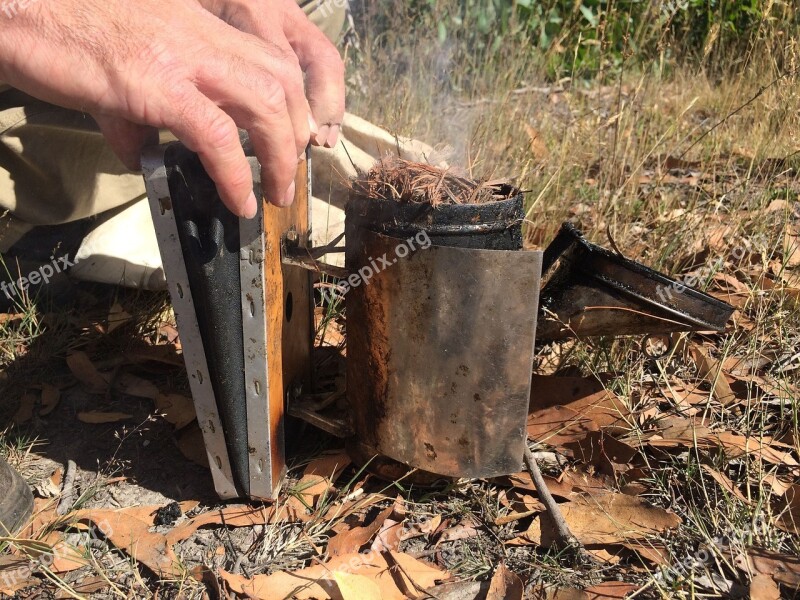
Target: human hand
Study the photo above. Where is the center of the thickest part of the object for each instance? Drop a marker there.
(199, 69)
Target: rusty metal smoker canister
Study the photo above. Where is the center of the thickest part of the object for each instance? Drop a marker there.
(440, 339)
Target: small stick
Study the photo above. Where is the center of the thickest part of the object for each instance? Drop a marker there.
(565, 537)
(68, 489)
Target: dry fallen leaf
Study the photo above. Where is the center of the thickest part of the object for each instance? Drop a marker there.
(50, 398)
(558, 425)
(603, 451)
(318, 478)
(96, 417)
(725, 483)
(763, 587)
(356, 587)
(351, 541)
(389, 536)
(128, 531)
(319, 583)
(607, 519)
(782, 568)
(585, 396)
(25, 411)
(135, 386)
(190, 443)
(710, 369)
(609, 590)
(84, 371)
(505, 585)
(117, 316)
(176, 408)
(789, 520)
(16, 573)
(736, 445)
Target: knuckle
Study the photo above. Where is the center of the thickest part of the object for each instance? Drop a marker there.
(272, 95)
(221, 132)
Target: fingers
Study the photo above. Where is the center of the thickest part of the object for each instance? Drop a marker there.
(258, 101)
(323, 67)
(207, 130)
(126, 139)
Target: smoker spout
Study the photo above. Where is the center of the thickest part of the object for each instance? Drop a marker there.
(590, 291)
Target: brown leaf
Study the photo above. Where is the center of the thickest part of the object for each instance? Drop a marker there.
(16, 573)
(558, 488)
(603, 451)
(558, 425)
(736, 445)
(763, 587)
(584, 395)
(129, 532)
(191, 444)
(610, 589)
(505, 585)
(777, 486)
(782, 568)
(135, 386)
(650, 551)
(96, 417)
(608, 519)
(25, 411)
(682, 431)
(318, 582)
(564, 593)
(725, 483)
(117, 316)
(176, 408)
(789, 519)
(84, 371)
(710, 369)
(50, 397)
(351, 541)
(791, 250)
(356, 587)
(319, 476)
(389, 536)
(538, 147)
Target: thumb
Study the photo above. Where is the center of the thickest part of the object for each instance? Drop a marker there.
(126, 139)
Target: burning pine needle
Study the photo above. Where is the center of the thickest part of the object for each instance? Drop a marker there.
(396, 179)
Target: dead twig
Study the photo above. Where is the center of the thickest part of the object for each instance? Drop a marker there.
(564, 537)
(68, 489)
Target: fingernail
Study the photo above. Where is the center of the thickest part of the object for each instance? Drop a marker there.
(289, 197)
(312, 125)
(250, 207)
(322, 136)
(333, 136)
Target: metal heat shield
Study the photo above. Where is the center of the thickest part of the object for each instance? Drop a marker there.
(440, 350)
